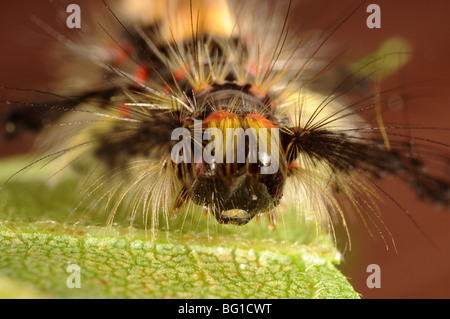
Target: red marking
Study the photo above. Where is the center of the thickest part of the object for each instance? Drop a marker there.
(124, 110)
(141, 75)
(167, 89)
(179, 75)
(119, 55)
(219, 116)
(261, 119)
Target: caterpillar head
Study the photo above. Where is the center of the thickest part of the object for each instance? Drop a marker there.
(241, 171)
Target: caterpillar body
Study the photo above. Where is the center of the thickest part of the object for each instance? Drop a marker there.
(197, 103)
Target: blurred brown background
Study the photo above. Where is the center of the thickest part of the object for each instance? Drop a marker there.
(417, 270)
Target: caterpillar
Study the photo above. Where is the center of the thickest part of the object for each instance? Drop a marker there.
(151, 96)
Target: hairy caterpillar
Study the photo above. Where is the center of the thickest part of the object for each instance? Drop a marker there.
(150, 74)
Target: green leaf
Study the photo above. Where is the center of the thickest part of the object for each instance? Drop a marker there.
(392, 54)
(195, 258)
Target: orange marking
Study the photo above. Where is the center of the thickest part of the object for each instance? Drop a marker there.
(202, 87)
(259, 92)
(219, 116)
(261, 119)
(293, 165)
